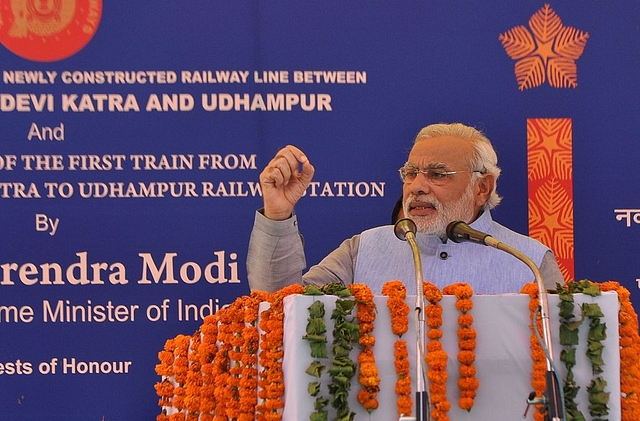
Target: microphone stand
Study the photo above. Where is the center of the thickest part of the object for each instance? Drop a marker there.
(459, 231)
(551, 396)
(405, 230)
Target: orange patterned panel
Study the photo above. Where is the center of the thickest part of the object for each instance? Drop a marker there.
(550, 169)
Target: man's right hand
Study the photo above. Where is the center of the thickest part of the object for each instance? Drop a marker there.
(283, 182)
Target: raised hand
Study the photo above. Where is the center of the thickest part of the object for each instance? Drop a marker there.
(283, 182)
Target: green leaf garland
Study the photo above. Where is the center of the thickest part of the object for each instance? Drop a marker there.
(317, 338)
(342, 368)
(569, 340)
(598, 397)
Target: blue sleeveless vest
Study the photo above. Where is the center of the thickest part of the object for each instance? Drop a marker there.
(382, 257)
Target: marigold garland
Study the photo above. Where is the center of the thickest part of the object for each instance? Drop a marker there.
(236, 342)
(165, 388)
(221, 365)
(180, 370)
(398, 308)
(436, 357)
(207, 351)
(368, 373)
(194, 380)
(467, 383)
(396, 294)
(270, 378)
(538, 357)
(629, 352)
(249, 359)
(234, 364)
(225, 349)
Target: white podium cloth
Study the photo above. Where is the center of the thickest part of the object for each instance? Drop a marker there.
(503, 357)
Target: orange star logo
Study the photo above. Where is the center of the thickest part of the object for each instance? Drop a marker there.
(547, 50)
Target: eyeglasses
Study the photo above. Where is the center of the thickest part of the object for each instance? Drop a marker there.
(435, 176)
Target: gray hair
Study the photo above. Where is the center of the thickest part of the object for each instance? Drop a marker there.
(484, 159)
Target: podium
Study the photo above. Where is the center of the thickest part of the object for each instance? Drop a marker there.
(503, 359)
(503, 356)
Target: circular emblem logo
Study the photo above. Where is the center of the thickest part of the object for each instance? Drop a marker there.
(48, 30)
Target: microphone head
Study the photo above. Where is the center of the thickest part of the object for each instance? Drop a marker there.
(459, 231)
(455, 231)
(403, 227)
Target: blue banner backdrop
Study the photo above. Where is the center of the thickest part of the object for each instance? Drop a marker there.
(129, 164)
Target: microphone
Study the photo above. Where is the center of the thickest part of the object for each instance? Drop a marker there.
(405, 229)
(458, 232)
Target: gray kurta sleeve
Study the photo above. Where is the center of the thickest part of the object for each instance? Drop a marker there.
(276, 257)
(550, 271)
(338, 266)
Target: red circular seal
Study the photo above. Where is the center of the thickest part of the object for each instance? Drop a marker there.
(48, 30)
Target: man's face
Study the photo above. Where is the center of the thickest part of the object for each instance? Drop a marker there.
(433, 205)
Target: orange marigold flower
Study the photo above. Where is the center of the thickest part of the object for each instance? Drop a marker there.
(394, 288)
(433, 311)
(405, 405)
(367, 340)
(465, 320)
(466, 345)
(402, 365)
(626, 342)
(468, 393)
(467, 370)
(437, 360)
(432, 293)
(464, 305)
(465, 333)
(466, 403)
(466, 357)
(434, 334)
(433, 347)
(437, 389)
(403, 386)
(468, 383)
(434, 322)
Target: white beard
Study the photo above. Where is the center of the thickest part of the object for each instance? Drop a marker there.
(460, 210)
